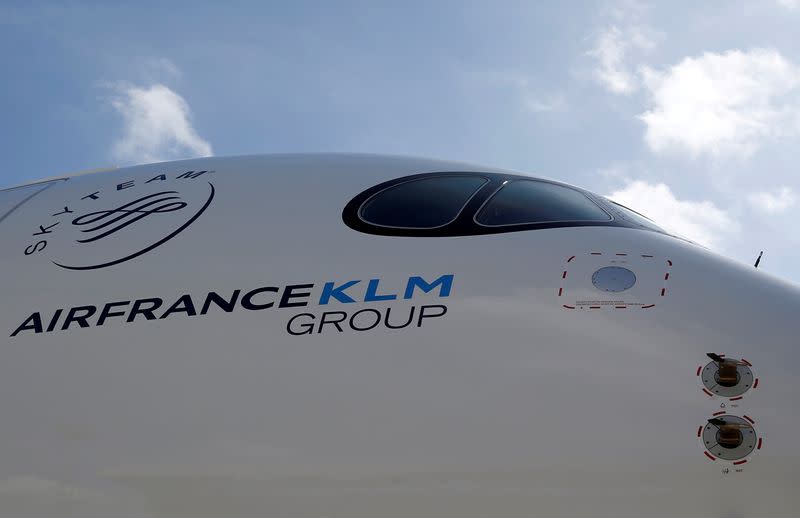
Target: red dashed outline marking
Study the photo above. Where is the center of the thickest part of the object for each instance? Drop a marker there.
(735, 463)
(564, 274)
(737, 398)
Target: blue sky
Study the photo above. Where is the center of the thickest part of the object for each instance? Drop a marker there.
(689, 113)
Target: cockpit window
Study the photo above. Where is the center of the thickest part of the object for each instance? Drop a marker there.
(532, 201)
(473, 203)
(422, 203)
(631, 216)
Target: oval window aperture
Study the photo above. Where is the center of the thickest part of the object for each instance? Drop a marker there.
(424, 203)
(613, 279)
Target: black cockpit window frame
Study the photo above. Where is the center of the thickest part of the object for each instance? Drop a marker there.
(465, 224)
(374, 197)
(636, 218)
(509, 183)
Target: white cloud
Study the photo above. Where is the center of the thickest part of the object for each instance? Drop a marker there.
(699, 221)
(722, 103)
(789, 4)
(157, 126)
(612, 50)
(620, 44)
(779, 201)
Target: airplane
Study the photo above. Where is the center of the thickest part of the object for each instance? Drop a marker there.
(346, 335)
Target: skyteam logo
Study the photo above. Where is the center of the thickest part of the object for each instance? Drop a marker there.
(104, 223)
(122, 221)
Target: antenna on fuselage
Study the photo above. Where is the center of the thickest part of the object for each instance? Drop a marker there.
(758, 260)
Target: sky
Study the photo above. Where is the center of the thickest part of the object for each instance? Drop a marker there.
(686, 111)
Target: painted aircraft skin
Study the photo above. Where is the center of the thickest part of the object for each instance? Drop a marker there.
(212, 357)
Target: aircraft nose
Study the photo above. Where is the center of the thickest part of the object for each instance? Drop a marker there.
(734, 308)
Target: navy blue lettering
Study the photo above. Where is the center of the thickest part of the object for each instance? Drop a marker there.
(65, 211)
(33, 323)
(74, 316)
(226, 305)
(371, 326)
(137, 309)
(289, 294)
(192, 174)
(392, 326)
(324, 320)
(307, 327)
(423, 314)
(36, 247)
(161, 177)
(108, 312)
(182, 305)
(247, 300)
(46, 230)
(54, 320)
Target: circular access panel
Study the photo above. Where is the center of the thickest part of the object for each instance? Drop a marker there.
(613, 279)
(726, 386)
(729, 437)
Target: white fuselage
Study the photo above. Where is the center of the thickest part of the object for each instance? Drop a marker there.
(215, 358)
